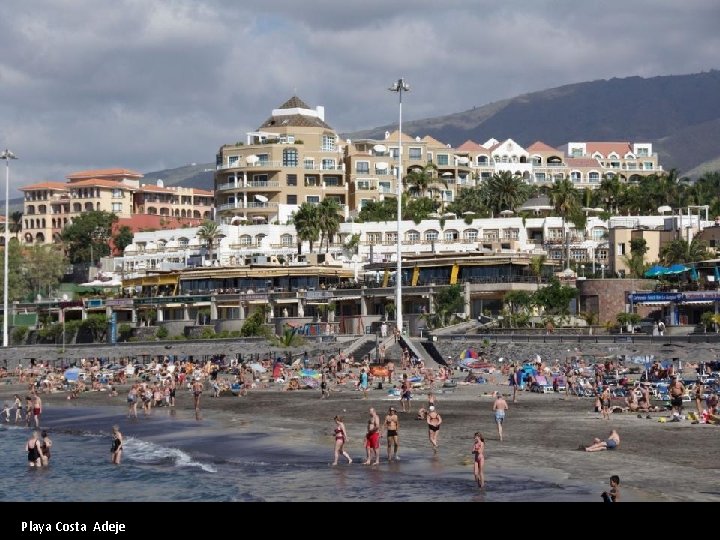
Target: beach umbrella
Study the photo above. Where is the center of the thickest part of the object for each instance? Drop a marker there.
(677, 269)
(72, 374)
(694, 274)
(655, 271)
(257, 367)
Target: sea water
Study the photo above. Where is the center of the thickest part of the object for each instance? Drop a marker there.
(170, 458)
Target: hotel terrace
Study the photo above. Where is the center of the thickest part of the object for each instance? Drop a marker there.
(296, 157)
(50, 206)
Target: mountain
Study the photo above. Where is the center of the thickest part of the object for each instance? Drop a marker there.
(197, 175)
(680, 114)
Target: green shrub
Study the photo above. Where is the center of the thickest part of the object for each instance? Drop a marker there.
(207, 333)
(19, 334)
(162, 333)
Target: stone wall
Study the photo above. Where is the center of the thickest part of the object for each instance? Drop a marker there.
(607, 297)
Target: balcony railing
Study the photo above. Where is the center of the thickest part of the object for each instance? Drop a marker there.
(241, 205)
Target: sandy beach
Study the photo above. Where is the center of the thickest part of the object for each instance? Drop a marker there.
(655, 461)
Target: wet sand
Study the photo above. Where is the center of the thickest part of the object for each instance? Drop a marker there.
(655, 461)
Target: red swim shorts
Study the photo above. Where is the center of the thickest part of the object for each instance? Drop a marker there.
(372, 440)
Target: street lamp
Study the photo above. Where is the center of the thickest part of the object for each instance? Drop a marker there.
(602, 271)
(7, 155)
(400, 86)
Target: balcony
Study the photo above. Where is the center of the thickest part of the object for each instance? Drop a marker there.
(252, 205)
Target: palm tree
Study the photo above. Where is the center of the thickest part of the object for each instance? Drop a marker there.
(209, 233)
(536, 265)
(679, 251)
(16, 222)
(564, 198)
(328, 220)
(418, 181)
(307, 224)
(504, 191)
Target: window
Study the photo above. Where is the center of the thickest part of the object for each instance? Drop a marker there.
(510, 234)
(328, 164)
(290, 157)
(384, 187)
(648, 165)
(447, 195)
(245, 240)
(429, 157)
(286, 240)
(362, 167)
(292, 199)
(365, 202)
(442, 159)
(328, 143)
(362, 184)
(451, 235)
(259, 180)
(594, 177)
(576, 176)
(470, 235)
(391, 238)
(621, 248)
(490, 235)
(291, 179)
(313, 199)
(332, 181)
(598, 233)
(576, 152)
(412, 236)
(415, 153)
(309, 163)
(117, 193)
(232, 161)
(374, 238)
(482, 160)
(431, 235)
(394, 152)
(643, 151)
(117, 207)
(602, 255)
(556, 254)
(311, 181)
(262, 158)
(540, 177)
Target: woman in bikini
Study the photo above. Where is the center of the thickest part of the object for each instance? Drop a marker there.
(699, 396)
(433, 421)
(340, 439)
(117, 446)
(479, 453)
(197, 389)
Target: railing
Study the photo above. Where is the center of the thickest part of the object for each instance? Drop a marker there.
(252, 184)
(240, 205)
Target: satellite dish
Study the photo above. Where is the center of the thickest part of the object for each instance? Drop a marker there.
(252, 159)
(65, 297)
(381, 166)
(664, 208)
(380, 148)
(261, 198)
(447, 174)
(462, 159)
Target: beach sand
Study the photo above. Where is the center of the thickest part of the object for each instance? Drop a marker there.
(542, 432)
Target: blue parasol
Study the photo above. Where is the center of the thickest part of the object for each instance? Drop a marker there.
(72, 374)
(677, 269)
(655, 271)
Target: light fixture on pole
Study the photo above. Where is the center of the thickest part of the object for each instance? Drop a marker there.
(400, 86)
(7, 155)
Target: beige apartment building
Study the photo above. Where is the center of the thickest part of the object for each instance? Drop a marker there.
(49, 206)
(292, 158)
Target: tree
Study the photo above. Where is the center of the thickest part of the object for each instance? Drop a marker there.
(385, 210)
(209, 233)
(448, 301)
(329, 220)
(555, 298)
(504, 191)
(564, 198)
(629, 320)
(536, 266)
(43, 267)
(636, 261)
(16, 222)
(123, 238)
(609, 191)
(17, 284)
(418, 209)
(468, 200)
(307, 224)
(678, 251)
(86, 237)
(420, 181)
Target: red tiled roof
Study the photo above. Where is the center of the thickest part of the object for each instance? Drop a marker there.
(198, 191)
(149, 188)
(539, 146)
(432, 141)
(606, 148)
(98, 182)
(471, 146)
(55, 186)
(101, 173)
(393, 137)
(581, 162)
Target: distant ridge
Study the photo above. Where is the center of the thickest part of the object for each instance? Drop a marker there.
(197, 175)
(679, 113)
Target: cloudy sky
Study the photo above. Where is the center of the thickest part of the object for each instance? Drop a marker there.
(149, 84)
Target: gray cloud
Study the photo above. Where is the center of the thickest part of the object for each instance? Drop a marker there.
(146, 84)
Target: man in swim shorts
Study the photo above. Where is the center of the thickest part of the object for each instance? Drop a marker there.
(392, 424)
(372, 439)
(499, 408)
(611, 443)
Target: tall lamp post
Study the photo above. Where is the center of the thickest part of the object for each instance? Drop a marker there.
(400, 86)
(7, 155)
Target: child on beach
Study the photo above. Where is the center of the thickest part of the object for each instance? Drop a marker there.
(479, 453)
(614, 494)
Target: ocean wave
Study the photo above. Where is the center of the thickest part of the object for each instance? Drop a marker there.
(153, 454)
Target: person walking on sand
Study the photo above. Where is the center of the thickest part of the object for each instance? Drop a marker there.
(117, 445)
(364, 382)
(392, 425)
(324, 392)
(341, 438)
(433, 422)
(46, 444)
(34, 450)
(132, 401)
(372, 439)
(390, 366)
(605, 403)
(479, 462)
(197, 390)
(676, 390)
(405, 393)
(499, 408)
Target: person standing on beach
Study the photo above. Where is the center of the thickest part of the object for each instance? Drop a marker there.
(512, 381)
(34, 450)
(433, 422)
(364, 382)
(372, 439)
(605, 403)
(117, 446)
(676, 390)
(499, 408)
(18, 409)
(197, 390)
(405, 393)
(390, 366)
(479, 462)
(324, 392)
(392, 424)
(46, 444)
(341, 438)
(132, 399)
(28, 410)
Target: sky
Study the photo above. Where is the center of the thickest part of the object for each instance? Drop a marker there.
(150, 84)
